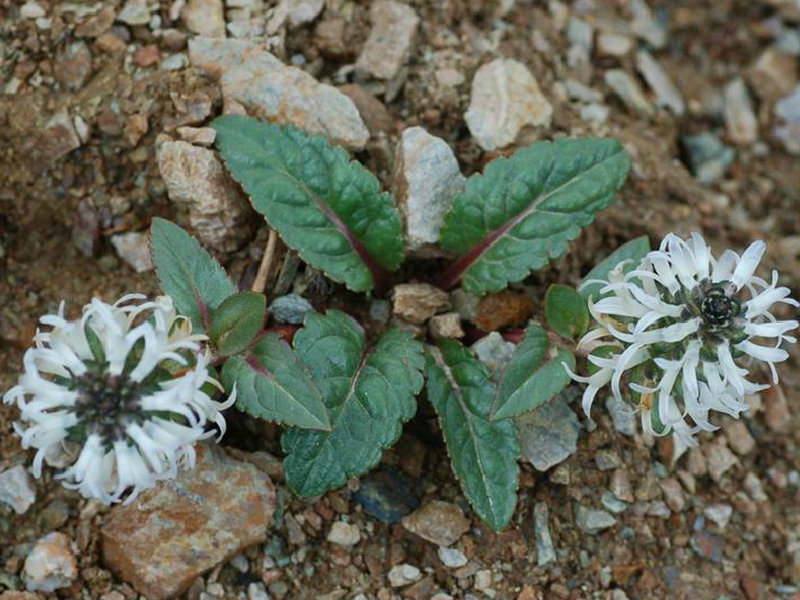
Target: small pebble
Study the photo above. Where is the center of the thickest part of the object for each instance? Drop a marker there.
(452, 558)
(17, 489)
(404, 574)
(344, 534)
(719, 514)
(51, 564)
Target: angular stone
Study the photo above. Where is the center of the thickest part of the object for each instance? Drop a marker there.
(739, 438)
(290, 308)
(505, 98)
(740, 120)
(403, 575)
(73, 65)
(17, 489)
(98, 23)
(31, 10)
(621, 485)
(303, 11)
(709, 158)
(133, 248)
(204, 17)
(667, 95)
(622, 416)
(720, 459)
(773, 75)
(426, 179)
(51, 564)
(503, 309)
(549, 434)
(372, 110)
(645, 25)
(787, 128)
(176, 531)
(776, 410)
(216, 56)
(628, 91)
(200, 136)
(494, 352)
(545, 551)
(330, 38)
(218, 211)
(135, 12)
(394, 27)
(673, 493)
(418, 302)
(719, 514)
(438, 522)
(446, 325)
(344, 534)
(591, 520)
(452, 558)
(58, 138)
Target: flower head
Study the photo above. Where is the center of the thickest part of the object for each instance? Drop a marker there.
(681, 329)
(118, 396)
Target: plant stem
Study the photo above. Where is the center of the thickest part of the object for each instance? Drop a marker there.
(260, 282)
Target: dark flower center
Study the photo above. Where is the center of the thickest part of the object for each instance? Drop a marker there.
(717, 309)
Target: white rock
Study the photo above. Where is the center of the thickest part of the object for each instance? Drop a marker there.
(394, 27)
(204, 17)
(667, 94)
(787, 112)
(135, 12)
(17, 489)
(218, 211)
(645, 25)
(613, 44)
(627, 89)
(31, 10)
(302, 11)
(51, 564)
(403, 575)
(740, 120)
(505, 98)
(452, 558)
(344, 534)
(719, 513)
(132, 247)
(426, 179)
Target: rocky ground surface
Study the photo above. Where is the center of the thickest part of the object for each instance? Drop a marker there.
(102, 114)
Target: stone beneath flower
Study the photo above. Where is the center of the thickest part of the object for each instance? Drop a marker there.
(119, 396)
(681, 329)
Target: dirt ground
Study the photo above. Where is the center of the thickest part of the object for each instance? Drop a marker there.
(58, 211)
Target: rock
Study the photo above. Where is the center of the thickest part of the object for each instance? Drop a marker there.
(51, 564)
(740, 120)
(708, 545)
(181, 528)
(133, 248)
(658, 508)
(628, 91)
(696, 462)
(613, 44)
(645, 26)
(667, 95)
(709, 158)
(622, 416)
(17, 489)
(58, 138)
(581, 92)
(204, 17)
(776, 410)
(483, 580)
(290, 308)
(612, 503)
(418, 302)
(580, 33)
(135, 12)
(216, 56)
(98, 23)
(720, 459)
(549, 434)
(719, 514)
(773, 75)
(344, 534)
(425, 181)
(110, 43)
(386, 495)
(372, 110)
(73, 65)
(135, 127)
(199, 136)
(438, 522)
(505, 98)
(218, 211)
(403, 575)
(754, 487)
(621, 485)
(494, 352)
(592, 520)
(787, 128)
(606, 459)
(465, 304)
(594, 113)
(739, 438)
(673, 493)
(147, 56)
(452, 558)
(545, 551)
(175, 62)
(329, 38)
(446, 325)
(31, 10)
(257, 591)
(300, 12)
(270, 90)
(503, 309)
(394, 27)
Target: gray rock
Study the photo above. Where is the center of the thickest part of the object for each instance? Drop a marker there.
(31, 10)
(740, 120)
(175, 62)
(380, 310)
(594, 113)
(394, 27)
(739, 438)
(788, 41)
(403, 575)
(465, 304)
(549, 434)
(646, 27)
(612, 503)
(426, 179)
(494, 352)
(719, 514)
(218, 210)
(592, 520)
(709, 158)
(51, 564)
(667, 95)
(133, 248)
(452, 558)
(659, 508)
(73, 65)
(135, 12)
(787, 128)
(582, 92)
(17, 489)
(622, 416)
(257, 591)
(290, 308)
(505, 98)
(720, 459)
(628, 91)
(545, 551)
(673, 493)
(300, 12)
(580, 33)
(620, 485)
(606, 459)
(204, 17)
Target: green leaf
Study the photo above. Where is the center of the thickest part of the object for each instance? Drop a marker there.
(566, 311)
(273, 384)
(369, 392)
(534, 375)
(632, 251)
(188, 274)
(483, 453)
(324, 205)
(236, 322)
(523, 210)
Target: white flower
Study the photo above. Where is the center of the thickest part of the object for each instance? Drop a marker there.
(681, 328)
(120, 392)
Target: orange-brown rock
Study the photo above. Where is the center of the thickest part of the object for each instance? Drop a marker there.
(504, 309)
(181, 528)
